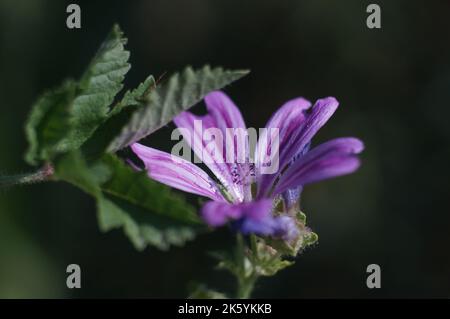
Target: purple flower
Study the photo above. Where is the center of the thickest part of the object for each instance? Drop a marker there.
(241, 192)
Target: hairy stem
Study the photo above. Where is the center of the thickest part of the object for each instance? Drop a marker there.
(245, 287)
(246, 277)
(42, 175)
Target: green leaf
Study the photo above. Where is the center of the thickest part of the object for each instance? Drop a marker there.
(62, 120)
(138, 189)
(48, 122)
(232, 263)
(164, 102)
(97, 88)
(148, 212)
(143, 227)
(265, 260)
(72, 168)
(137, 96)
(119, 117)
(249, 263)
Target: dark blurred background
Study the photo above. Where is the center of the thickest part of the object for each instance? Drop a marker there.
(393, 85)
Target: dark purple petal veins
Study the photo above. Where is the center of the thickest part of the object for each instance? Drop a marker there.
(178, 173)
(222, 114)
(287, 119)
(333, 158)
(322, 110)
(291, 197)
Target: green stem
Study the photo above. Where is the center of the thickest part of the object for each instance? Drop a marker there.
(246, 282)
(245, 287)
(254, 245)
(41, 175)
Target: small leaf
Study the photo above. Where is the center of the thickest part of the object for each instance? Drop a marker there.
(271, 267)
(227, 261)
(266, 261)
(259, 260)
(165, 102)
(137, 96)
(310, 239)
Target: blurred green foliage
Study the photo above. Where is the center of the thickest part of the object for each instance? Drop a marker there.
(393, 86)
